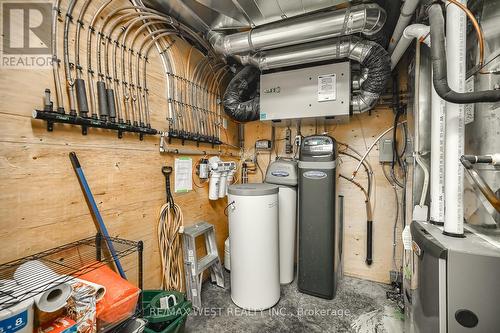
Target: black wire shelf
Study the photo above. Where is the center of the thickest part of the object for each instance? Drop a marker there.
(68, 261)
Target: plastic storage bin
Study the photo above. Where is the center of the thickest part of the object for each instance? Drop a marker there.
(176, 326)
(152, 309)
(170, 320)
(134, 326)
(118, 312)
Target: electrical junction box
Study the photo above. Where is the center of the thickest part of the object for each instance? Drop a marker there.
(312, 93)
(385, 149)
(263, 144)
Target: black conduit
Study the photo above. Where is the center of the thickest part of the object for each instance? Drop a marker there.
(438, 57)
(241, 99)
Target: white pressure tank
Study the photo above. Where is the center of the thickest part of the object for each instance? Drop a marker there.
(253, 240)
(284, 174)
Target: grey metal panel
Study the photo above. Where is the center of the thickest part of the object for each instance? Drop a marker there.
(294, 94)
(318, 256)
(473, 285)
(472, 270)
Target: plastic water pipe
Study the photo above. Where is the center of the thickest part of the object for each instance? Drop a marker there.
(455, 122)
(407, 11)
(420, 31)
(438, 110)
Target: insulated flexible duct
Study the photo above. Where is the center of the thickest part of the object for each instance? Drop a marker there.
(238, 101)
(439, 67)
(370, 55)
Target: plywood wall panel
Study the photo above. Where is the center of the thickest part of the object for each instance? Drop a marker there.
(41, 203)
(359, 132)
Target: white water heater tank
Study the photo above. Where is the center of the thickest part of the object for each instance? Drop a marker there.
(253, 240)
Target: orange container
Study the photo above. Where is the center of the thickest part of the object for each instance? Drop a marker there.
(121, 296)
(60, 325)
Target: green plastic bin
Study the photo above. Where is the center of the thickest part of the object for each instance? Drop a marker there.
(172, 320)
(151, 301)
(177, 326)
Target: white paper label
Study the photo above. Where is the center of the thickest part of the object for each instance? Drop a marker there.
(327, 87)
(183, 178)
(407, 238)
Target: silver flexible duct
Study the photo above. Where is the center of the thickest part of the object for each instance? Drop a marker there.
(369, 54)
(366, 18)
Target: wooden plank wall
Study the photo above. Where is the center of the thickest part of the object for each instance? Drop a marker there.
(359, 133)
(41, 204)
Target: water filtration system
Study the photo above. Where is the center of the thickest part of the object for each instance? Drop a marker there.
(318, 236)
(221, 174)
(284, 174)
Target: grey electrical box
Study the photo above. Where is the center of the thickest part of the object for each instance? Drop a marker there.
(385, 149)
(313, 92)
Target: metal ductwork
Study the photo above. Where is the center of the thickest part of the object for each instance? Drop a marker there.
(367, 19)
(373, 57)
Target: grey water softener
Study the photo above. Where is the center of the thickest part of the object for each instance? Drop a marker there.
(318, 237)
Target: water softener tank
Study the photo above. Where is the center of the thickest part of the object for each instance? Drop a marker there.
(318, 235)
(253, 240)
(284, 174)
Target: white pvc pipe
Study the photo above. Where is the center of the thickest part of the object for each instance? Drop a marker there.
(438, 107)
(407, 11)
(420, 31)
(455, 132)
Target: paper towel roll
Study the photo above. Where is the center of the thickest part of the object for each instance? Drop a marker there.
(100, 291)
(54, 289)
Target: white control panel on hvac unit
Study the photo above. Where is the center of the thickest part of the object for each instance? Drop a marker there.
(313, 92)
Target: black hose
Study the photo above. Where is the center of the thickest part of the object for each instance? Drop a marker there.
(369, 220)
(241, 99)
(439, 68)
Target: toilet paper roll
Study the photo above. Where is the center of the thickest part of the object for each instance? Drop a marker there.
(54, 289)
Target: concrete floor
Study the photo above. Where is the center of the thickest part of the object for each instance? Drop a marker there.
(360, 306)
